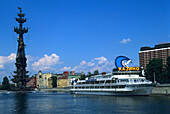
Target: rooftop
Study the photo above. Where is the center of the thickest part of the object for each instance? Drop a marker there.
(164, 45)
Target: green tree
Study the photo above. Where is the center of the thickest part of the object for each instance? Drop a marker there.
(155, 67)
(168, 66)
(96, 72)
(5, 84)
(166, 73)
(89, 74)
(82, 77)
(54, 81)
(114, 69)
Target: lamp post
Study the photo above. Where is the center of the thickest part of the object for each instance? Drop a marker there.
(154, 77)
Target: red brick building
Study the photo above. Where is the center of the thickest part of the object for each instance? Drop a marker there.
(161, 51)
(65, 73)
(32, 82)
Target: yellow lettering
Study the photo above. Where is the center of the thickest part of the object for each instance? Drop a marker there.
(120, 69)
(130, 68)
(137, 68)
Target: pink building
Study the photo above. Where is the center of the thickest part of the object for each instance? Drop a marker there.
(32, 83)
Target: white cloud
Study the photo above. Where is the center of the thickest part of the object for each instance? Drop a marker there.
(100, 63)
(46, 62)
(124, 41)
(106, 67)
(7, 60)
(83, 63)
(31, 58)
(65, 68)
(47, 69)
(90, 64)
(101, 60)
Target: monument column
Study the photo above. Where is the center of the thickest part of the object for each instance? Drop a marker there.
(20, 77)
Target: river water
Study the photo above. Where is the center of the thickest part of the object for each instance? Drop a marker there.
(66, 103)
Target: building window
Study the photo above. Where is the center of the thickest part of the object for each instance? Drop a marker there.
(40, 76)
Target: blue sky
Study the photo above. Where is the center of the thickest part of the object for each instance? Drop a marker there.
(81, 35)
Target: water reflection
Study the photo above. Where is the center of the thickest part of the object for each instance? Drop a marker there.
(20, 103)
(64, 103)
(124, 105)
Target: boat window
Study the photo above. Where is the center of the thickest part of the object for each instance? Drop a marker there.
(124, 80)
(122, 86)
(135, 80)
(113, 81)
(108, 81)
(114, 86)
(87, 87)
(139, 80)
(101, 82)
(107, 86)
(96, 86)
(131, 81)
(91, 87)
(97, 82)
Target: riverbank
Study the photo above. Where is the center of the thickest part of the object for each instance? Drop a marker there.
(161, 89)
(55, 89)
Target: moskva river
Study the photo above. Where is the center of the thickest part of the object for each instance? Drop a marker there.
(66, 103)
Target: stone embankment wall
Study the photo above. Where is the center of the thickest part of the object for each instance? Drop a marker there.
(56, 89)
(161, 89)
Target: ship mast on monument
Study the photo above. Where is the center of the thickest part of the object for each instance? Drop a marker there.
(21, 77)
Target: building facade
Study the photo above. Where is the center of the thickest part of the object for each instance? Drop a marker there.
(62, 82)
(161, 51)
(32, 82)
(43, 80)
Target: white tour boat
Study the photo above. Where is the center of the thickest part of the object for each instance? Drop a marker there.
(116, 83)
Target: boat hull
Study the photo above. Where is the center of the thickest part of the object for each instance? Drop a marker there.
(117, 92)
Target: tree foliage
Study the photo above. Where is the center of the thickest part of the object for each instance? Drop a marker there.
(5, 84)
(114, 69)
(54, 81)
(166, 73)
(89, 74)
(82, 77)
(96, 72)
(168, 66)
(162, 73)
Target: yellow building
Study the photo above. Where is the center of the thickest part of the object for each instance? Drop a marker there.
(49, 85)
(44, 80)
(61, 83)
